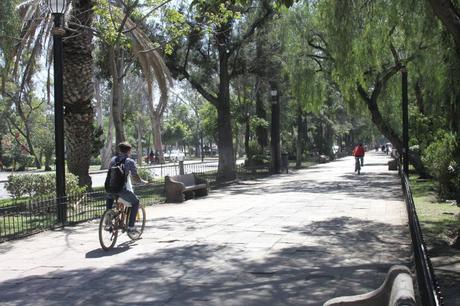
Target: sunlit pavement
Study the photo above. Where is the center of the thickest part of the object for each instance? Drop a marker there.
(294, 239)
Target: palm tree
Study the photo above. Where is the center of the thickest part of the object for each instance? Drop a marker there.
(78, 71)
(79, 90)
(78, 63)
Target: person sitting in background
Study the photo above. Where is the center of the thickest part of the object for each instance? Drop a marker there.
(151, 157)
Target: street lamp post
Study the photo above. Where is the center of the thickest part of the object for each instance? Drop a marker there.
(57, 8)
(275, 130)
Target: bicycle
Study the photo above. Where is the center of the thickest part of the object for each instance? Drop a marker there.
(357, 165)
(115, 220)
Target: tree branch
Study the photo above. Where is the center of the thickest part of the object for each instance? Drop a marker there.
(382, 80)
(259, 22)
(446, 11)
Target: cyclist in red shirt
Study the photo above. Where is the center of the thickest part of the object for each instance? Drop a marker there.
(358, 153)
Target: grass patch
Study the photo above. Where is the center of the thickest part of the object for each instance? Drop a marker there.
(438, 219)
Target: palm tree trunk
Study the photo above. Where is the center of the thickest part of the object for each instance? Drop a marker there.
(79, 90)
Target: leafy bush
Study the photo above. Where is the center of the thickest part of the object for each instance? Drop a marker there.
(254, 149)
(15, 186)
(439, 158)
(145, 174)
(22, 161)
(40, 185)
(95, 161)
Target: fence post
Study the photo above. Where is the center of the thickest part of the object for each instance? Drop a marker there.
(181, 167)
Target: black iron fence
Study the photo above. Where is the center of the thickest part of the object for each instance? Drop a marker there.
(430, 292)
(25, 217)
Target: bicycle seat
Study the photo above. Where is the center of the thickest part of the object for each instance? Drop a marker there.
(123, 201)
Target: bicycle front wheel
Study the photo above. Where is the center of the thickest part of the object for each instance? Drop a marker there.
(139, 224)
(108, 230)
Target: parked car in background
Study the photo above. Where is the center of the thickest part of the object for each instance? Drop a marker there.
(176, 155)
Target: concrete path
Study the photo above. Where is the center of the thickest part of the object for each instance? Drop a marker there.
(295, 239)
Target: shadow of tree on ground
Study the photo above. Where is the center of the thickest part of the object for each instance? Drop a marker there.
(346, 256)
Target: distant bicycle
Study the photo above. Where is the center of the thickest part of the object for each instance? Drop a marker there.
(115, 220)
(357, 165)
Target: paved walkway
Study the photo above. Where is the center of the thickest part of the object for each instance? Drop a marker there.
(296, 239)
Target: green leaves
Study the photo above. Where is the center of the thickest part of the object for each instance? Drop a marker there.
(108, 21)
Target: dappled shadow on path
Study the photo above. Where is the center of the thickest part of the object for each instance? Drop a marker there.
(345, 256)
(98, 253)
(366, 186)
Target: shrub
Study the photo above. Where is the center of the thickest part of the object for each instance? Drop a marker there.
(254, 149)
(15, 186)
(22, 161)
(40, 185)
(95, 161)
(439, 158)
(145, 174)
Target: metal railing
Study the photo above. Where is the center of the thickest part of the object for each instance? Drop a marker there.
(24, 218)
(429, 289)
(28, 216)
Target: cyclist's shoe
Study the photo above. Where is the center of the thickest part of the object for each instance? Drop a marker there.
(133, 230)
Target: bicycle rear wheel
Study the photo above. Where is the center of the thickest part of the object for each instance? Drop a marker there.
(357, 166)
(108, 230)
(139, 224)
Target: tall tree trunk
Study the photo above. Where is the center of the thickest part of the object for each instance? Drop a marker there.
(116, 70)
(246, 138)
(201, 146)
(226, 169)
(26, 131)
(100, 119)
(139, 143)
(299, 144)
(261, 132)
(419, 97)
(106, 151)
(446, 11)
(78, 91)
(98, 98)
(156, 122)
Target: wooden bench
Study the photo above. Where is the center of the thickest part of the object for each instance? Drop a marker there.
(180, 187)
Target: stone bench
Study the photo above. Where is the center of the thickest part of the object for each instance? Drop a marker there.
(396, 290)
(180, 187)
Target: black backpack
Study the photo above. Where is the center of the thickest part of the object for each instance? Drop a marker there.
(116, 177)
